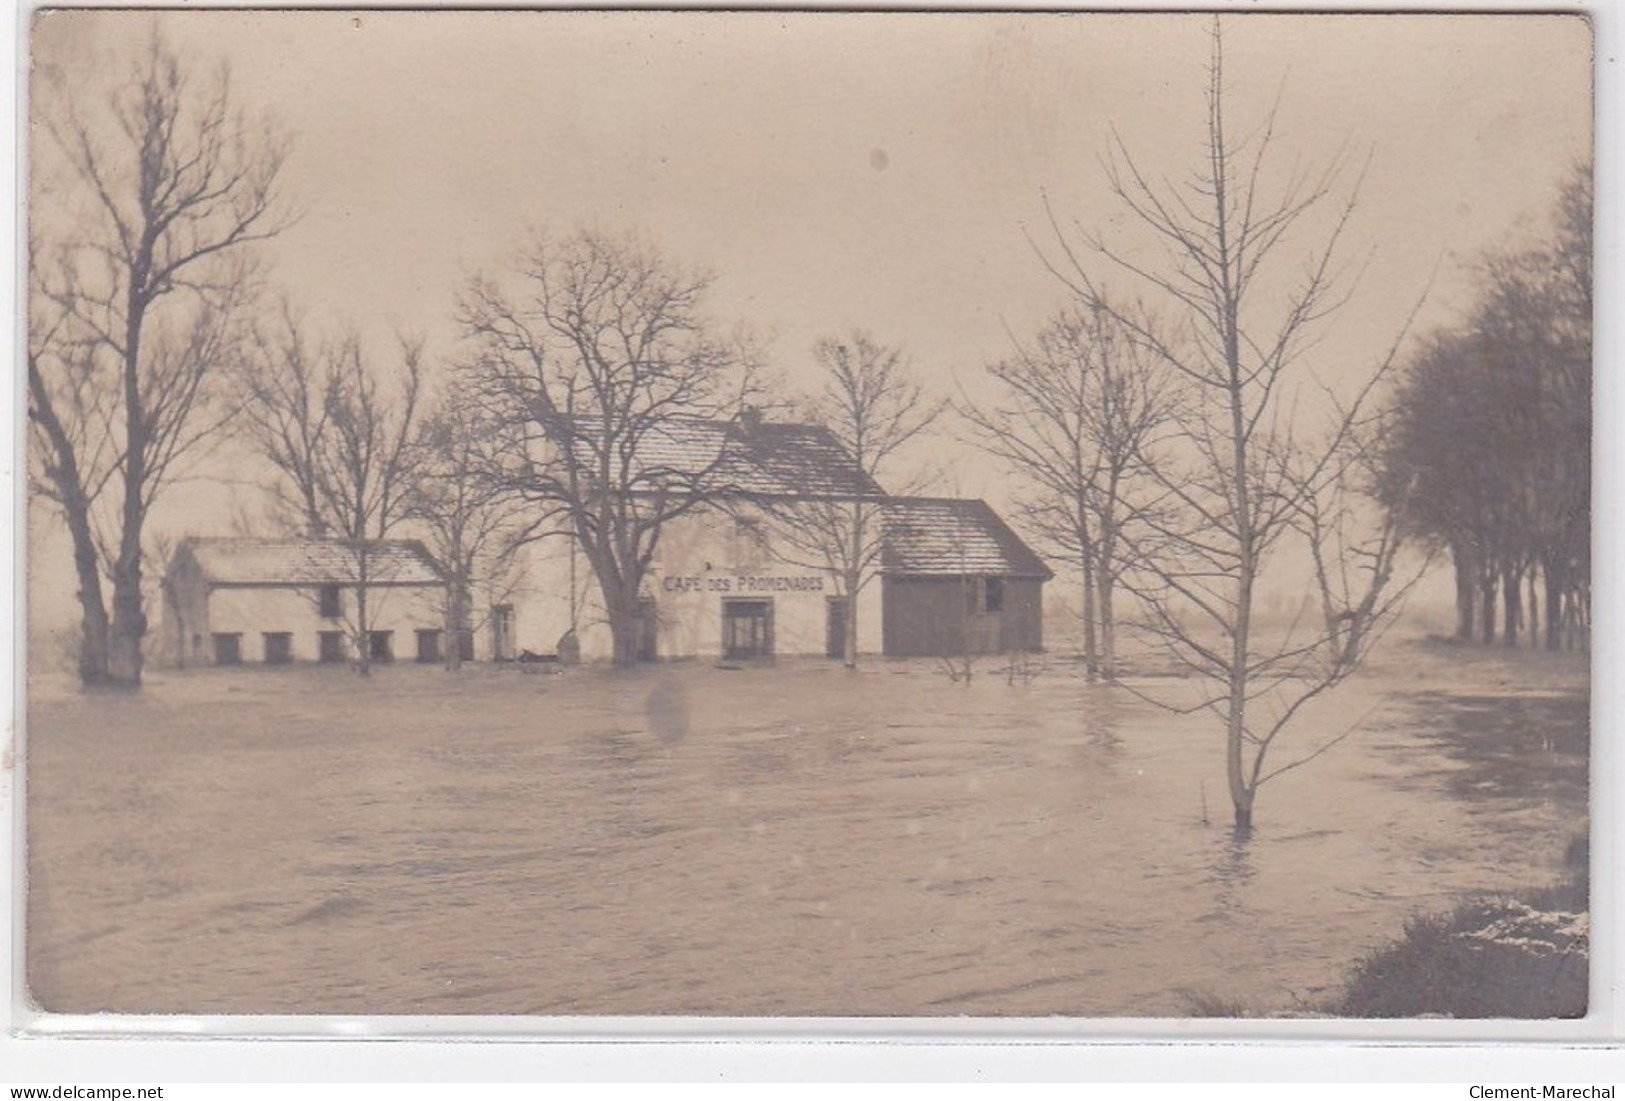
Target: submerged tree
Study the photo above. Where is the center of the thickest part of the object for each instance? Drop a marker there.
(872, 408)
(603, 367)
(1078, 411)
(1249, 471)
(140, 247)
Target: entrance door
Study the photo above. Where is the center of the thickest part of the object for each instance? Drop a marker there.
(228, 648)
(747, 629)
(428, 646)
(648, 629)
(330, 646)
(278, 647)
(502, 632)
(835, 624)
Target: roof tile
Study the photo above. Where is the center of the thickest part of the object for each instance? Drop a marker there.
(243, 561)
(952, 537)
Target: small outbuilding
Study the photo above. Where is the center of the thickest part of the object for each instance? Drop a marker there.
(956, 580)
(230, 601)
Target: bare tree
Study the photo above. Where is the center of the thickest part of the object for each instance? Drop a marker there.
(1252, 470)
(473, 519)
(872, 408)
(286, 404)
(1078, 411)
(611, 378)
(345, 448)
(365, 471)
(140, 249)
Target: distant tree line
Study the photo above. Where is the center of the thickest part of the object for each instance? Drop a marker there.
(1489, 454)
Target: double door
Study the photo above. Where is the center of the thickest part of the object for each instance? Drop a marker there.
(747, 629)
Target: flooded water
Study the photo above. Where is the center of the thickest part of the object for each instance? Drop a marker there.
(797, 840)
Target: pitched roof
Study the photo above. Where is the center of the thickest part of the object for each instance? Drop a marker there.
(746, 456)
(951, 537)
(241, 561)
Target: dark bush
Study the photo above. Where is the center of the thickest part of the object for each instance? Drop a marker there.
(1523, 957)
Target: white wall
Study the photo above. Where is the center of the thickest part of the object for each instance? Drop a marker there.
(253, 612)
(699, 565)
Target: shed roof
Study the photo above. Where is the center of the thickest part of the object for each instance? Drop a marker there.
(244, 561)
(746, 456)
(953, 537)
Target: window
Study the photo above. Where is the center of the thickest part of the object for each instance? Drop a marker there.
(228, 648)
(984, 595)
(331, 607)
(428, 646)
(750, 543)
(330, 646)
(381, 645)
(278, 647)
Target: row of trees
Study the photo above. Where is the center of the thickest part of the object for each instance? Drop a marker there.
(1490, 450)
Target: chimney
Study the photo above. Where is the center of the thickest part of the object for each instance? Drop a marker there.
(750, 419)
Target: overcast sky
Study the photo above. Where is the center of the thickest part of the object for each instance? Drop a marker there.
(840, 170)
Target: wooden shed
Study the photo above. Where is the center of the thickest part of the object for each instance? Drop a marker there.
(956, 580)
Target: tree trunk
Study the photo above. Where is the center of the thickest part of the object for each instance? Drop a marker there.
(1108, 627)
(363, 624)
(1244, 815)
(93, 639)
(129, 626)
(1554, 608)
(1512, 598)
(1486, 592)
(64, 474)
(1091, 653)
(849, 644)
(1242, 788)
(625, 625)
(1466, 573)
(456, 614)
(849, 641)
(1534, 613)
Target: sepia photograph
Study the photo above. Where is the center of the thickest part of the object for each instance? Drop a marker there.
(992, 516)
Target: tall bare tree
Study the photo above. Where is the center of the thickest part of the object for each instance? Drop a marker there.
(1251, 467)
(1078, 412)
(366, 471)
(147, 207)
(344, 442)
(873, 408)
(286, 394)
(601, 360)
(474, 520)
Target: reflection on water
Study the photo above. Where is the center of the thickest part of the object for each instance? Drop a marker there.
(766, 842)
(1231, 872)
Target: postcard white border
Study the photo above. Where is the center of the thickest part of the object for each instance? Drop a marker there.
(88, 1049)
